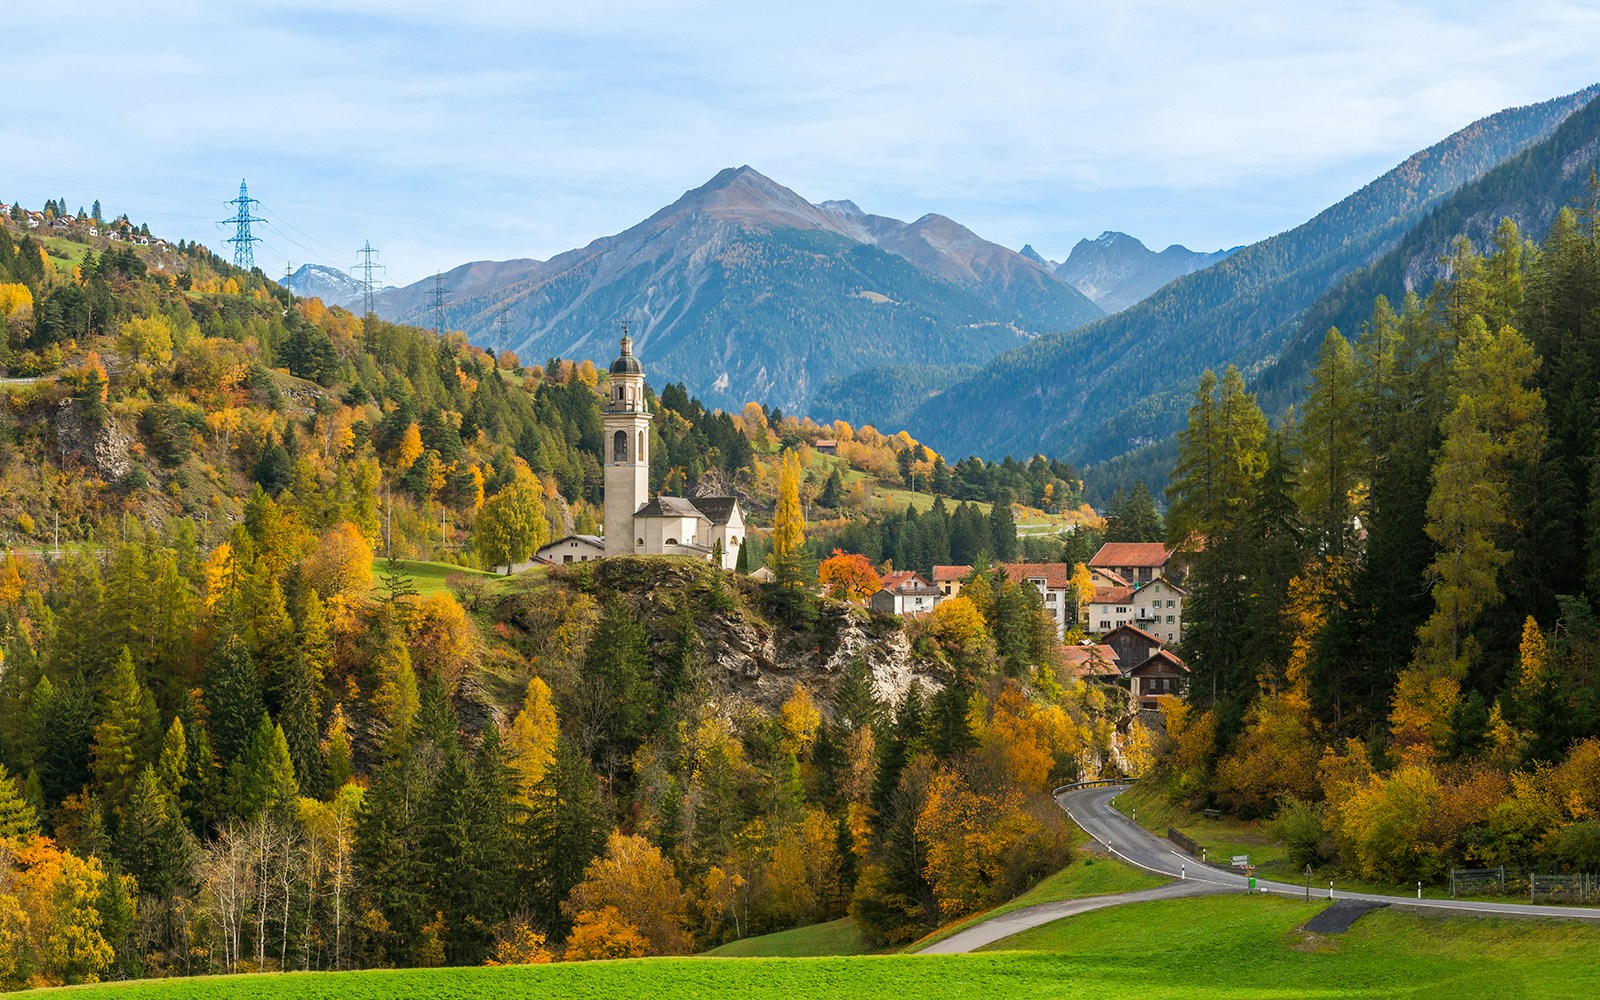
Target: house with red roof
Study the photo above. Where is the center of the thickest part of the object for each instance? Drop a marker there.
(1092, 661)
(1137, 583)
(1140, 562)
(905, 592)
(950, 578)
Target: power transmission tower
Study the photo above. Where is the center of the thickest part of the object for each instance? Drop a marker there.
(244, 252)
(438, 303)
(288, 280)
(367, 267)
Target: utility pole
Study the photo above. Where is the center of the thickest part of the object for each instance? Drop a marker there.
(244, 254)
(366, 253)
(438, 303)
(288, 280)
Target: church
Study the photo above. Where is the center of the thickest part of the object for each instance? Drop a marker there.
(704, 527)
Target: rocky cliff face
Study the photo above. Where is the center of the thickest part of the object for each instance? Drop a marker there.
(754, 659)
(103, 445)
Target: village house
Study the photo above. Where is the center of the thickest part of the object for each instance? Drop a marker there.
(1092, 661)
(1054, 583)
(950, 578)
(1135, 584)
(827, 446)
(573, 549)
(1150, 669)
(1158, 608)
(1138, 563)
(905, 592)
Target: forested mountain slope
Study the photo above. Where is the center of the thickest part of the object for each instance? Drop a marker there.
(1529, 189)
(1115, 384)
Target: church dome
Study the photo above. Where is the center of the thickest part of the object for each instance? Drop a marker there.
(626, 363)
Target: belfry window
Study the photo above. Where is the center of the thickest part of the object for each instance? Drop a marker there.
(619, 447)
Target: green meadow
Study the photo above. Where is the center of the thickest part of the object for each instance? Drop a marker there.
(1233, 947)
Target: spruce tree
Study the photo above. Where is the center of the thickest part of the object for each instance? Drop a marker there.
(1002, 529)
(613, 692)
(566, 829)
(233, 696)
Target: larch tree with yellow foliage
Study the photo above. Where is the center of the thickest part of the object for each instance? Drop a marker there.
(788, 530)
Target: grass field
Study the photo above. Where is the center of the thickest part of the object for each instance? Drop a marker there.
(836, 937)
(429, 577)
(1232, 947)
(1088, 875)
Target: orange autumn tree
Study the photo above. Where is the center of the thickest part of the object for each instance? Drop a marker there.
(848, 577)
(604, 934)
(635, 879)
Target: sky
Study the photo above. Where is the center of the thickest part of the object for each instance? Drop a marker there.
(493, 129)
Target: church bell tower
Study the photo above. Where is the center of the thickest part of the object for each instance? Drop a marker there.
(627, 450)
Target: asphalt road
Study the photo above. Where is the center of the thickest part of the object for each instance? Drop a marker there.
(1091, 809)
(1016, 921)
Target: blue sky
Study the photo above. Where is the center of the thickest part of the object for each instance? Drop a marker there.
(451, 132)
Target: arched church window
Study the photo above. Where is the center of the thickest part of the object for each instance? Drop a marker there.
(619, 447)
(641, 443)
(672, 541)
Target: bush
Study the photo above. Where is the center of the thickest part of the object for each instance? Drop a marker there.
(1299, 825)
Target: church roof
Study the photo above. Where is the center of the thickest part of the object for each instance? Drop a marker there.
(626, 363)
(669, 507)
(717, 510)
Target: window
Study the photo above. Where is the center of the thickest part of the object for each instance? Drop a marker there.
(641, 543)
(619, 446)
(1050, 597)
(641, 444)
(1171, 604)
(1169, 619)
(672, 541)
(1104, 625)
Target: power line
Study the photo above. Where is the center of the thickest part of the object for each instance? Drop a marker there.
(367, 266)
(244, 254)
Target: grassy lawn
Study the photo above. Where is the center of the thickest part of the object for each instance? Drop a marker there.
(1236, 946)
(1223, 837)
(836, 937)
(429, 577)
(1088, 875)
(1232, 947)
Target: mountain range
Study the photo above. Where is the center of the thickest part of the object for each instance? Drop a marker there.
(744, 290)
(1116, 270)
(1124, 382)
